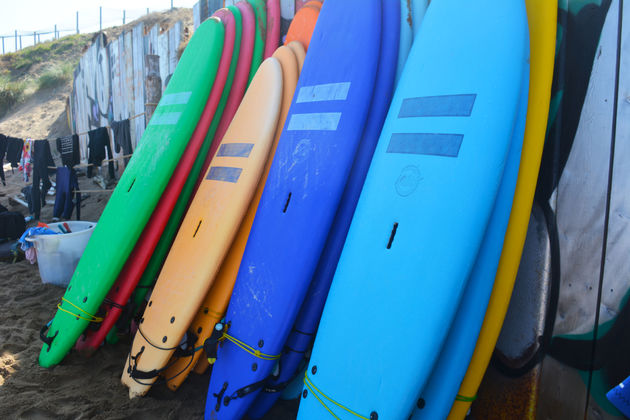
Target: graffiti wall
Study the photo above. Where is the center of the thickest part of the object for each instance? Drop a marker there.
(109, 80)
(566, 339)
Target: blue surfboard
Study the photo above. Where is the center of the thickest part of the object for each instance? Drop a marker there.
(303, 332)
(303, 190)
(406, 36)
(450, 368)
(422, 214)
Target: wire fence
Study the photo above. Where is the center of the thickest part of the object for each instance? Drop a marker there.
(85, 21)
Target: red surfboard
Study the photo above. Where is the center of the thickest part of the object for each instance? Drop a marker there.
(272, 40)
(139, 258)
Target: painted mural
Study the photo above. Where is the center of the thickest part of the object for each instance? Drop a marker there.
(566, 338)
(109, 79)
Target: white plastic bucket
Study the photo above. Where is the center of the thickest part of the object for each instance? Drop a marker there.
(58, 255)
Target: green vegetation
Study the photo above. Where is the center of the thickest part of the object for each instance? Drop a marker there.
(55, 76)
(50, 51)
(10, 93)
(43, 66)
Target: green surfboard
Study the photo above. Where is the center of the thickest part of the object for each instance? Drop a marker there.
(260, 9)
(137, 193)
(164, 245)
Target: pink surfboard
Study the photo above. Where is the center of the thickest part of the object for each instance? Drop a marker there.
(139, 258)
(272, 41)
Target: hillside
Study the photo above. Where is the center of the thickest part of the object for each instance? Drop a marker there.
(36, 81)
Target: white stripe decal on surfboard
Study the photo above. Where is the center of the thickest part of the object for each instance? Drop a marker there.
(235, 149)
(438, 106)
(324, 92)
(426, 144)
(180, 98)
(224, 173)
(168, 118)
(320, 121)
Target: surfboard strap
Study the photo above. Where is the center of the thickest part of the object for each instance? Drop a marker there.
(318, 394)
(42, 335)
(465, 399)
(89, 317)
(189, 351)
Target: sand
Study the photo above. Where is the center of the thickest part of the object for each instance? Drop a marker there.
(78, 388)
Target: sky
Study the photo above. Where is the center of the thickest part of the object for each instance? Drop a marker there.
(27, 16)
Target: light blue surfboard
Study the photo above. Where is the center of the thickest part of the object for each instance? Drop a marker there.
(423, 212)
(448, 373)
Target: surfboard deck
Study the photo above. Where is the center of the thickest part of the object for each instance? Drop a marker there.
(215, 303)
(272, 40)
(301, 196)
(137, 192)
(131, 273)
(207, 231)
(422, 214)
(301, 337)
(235, 88)
(303, 24)
(542, 17)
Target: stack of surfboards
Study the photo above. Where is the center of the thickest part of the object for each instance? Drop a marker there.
(192, 118)
(355, 201)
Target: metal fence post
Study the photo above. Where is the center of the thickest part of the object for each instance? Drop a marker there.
(77, 21)
(2, 45)
(16, 41)
(124, 12)
(100, 18)
(34, 38)
(55, 35)
(20, 41)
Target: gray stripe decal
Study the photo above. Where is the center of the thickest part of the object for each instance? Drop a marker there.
(323, 92)
(425, 144)
(167, 118)
(224, 173)
(324, 121)
(180, 98)
(438, 106)
(235, 149)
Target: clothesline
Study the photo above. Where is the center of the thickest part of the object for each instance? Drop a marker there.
(107, 126)
(85, 165)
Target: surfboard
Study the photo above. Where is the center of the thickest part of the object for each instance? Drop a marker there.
(260, 10)
(302, 193)
(299, 51)
(237, 80)
(406, 36)
(303, 331)
(215, 303)
(418, 10)
(272, 40)
(131, 273)
(137, 192)
(542, 20)
(303, 24)
(422, 213)
(438, 395)
(207, 230)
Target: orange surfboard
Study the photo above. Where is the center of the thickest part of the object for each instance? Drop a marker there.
(207, 231)
(303, 24)
(299, 51)
(214, 305)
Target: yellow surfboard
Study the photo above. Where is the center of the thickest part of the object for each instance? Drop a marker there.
(214, 305)
(299, 51)
(208, 229)
(542, 15)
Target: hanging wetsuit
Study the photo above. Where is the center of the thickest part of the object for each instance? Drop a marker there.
(67, 188)
(14, 150)
(3, 150)
(42, 159)
(122, 138)
(98, 145)
(68, 148)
